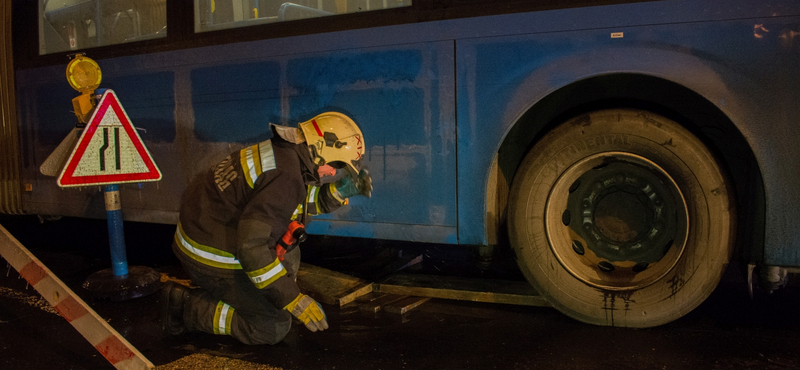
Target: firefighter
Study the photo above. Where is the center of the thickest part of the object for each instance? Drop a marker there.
(233, 218)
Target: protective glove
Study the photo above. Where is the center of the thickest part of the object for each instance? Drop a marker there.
(347, 187)
(307, 310)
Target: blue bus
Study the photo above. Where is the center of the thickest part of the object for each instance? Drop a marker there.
(626, 151)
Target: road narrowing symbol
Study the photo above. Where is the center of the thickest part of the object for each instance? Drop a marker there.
(109, 150)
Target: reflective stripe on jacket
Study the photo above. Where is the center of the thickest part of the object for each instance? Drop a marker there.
(256, 160)
(204, 254)
(216, 258)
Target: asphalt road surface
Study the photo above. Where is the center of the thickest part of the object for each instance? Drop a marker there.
(728, 331)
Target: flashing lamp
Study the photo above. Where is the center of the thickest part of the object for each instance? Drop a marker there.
(84, 75)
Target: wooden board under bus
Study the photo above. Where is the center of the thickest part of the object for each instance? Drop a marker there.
(466, 289)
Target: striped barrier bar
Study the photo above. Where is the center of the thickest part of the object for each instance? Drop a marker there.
(113, 346)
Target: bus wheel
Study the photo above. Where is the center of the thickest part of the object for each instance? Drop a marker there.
(622, 218)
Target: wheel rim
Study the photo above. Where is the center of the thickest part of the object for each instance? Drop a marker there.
(616, 221)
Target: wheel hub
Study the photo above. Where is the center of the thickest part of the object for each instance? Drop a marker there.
(627, 212)
(620, 217)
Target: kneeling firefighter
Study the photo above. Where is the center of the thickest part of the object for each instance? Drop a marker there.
(238, 219)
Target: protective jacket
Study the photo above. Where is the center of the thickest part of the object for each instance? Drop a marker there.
(233, 214)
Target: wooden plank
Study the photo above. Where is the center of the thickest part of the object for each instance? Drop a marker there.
(374, 305)
(405, 305)
(371, 297)
(465, 289)
(331, 287)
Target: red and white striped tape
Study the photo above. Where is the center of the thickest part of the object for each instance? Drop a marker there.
(114, 347)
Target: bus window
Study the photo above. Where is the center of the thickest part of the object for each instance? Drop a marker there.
(79, 24)
(211, 15)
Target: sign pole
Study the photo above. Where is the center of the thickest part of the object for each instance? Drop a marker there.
(120, 282)
(116, 232)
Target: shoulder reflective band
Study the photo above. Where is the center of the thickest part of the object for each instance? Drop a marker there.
(223, 317)
(267, 275)
(204, 254)
(256, 160)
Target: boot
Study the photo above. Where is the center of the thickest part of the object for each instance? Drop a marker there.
(173, 297)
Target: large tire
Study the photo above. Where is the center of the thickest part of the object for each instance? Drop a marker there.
(622, 218)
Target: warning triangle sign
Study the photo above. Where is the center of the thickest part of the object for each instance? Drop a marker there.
(109, 150)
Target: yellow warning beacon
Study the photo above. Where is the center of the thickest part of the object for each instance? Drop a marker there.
(84, 75)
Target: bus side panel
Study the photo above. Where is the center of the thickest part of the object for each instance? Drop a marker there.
(193, 112)
(748, 73)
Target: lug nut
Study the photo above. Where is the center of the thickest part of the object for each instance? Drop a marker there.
(605, 266)
(575, 185)
(577, 247)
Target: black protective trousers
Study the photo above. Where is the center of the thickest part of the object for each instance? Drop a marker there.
(255, 319)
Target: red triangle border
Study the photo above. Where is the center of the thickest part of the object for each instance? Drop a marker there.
(108, 100)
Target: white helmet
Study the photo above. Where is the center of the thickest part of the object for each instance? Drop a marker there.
(334, 137)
